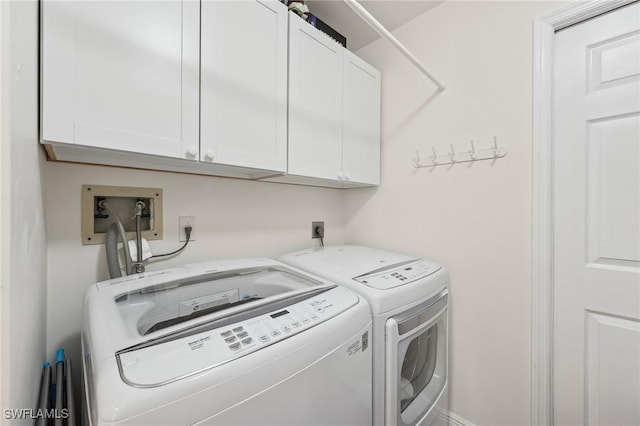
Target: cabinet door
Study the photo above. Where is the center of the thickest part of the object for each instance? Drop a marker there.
(122, 75)
(244, 83)
(315, 102)
(361, 121)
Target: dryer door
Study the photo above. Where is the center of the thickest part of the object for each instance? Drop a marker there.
(416, 370)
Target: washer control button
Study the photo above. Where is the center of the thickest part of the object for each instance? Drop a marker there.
(286, 329)
(226, 333)
(319, 309)
(306, 320)
(275, 333)
(247, 341)
(264, 338)
(238, 329)
(235, 346)
(243, 334)
(230, 339)
(296, 324)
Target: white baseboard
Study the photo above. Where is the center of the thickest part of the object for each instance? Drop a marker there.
(455, 420)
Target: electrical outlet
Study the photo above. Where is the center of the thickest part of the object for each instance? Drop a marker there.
(184, 221)
(317, 230)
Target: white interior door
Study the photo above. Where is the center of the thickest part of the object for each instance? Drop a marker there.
(597, 221)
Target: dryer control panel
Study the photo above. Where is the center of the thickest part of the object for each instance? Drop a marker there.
(398, 275)
(157, 364)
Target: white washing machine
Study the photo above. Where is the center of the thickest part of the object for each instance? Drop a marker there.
(409, 305)
(243, 342)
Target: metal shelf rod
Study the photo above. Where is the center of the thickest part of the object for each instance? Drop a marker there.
(380, 29)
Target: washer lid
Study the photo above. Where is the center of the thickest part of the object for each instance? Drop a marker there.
(379, 269)
(205, 297)
(184, 354)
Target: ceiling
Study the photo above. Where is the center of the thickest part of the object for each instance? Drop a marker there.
(390, 13)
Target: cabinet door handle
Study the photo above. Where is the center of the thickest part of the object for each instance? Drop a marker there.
(192, 151)
(210, 154)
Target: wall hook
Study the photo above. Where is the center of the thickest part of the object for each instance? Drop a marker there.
(491, 152)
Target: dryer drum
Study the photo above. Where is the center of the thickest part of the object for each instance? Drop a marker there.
(419, 364)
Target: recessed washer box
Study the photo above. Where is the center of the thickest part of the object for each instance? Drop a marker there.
(121, 200)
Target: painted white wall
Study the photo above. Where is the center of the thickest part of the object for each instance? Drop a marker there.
(234, 218)
(475, 220)
(22, 223)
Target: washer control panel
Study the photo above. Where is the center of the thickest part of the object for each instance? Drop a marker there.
(397, 276)
(270, 328)
(204, 350)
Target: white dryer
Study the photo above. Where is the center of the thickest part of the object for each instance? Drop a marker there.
(409, 305)
(242, 342)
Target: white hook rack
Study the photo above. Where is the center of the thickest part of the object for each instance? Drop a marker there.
(452, 157)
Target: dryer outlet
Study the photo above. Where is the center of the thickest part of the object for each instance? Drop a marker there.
(317, 230)
(184, 221)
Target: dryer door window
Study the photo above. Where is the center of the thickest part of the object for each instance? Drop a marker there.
(416, 367)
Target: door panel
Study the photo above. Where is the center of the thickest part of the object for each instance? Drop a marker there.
(122, 75)
(614, 173)
(614, 62)
(597, 221)
(244, 83)
(612, 354)
(315, 102)
(361, 121)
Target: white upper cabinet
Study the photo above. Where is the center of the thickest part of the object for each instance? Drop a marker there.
(244, 84)
(122, 75)
(334, 112)
(239, 88)
(360, 121)
(315, 102)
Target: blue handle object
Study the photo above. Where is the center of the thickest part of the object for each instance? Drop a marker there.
(59, 356)
(46, 364)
